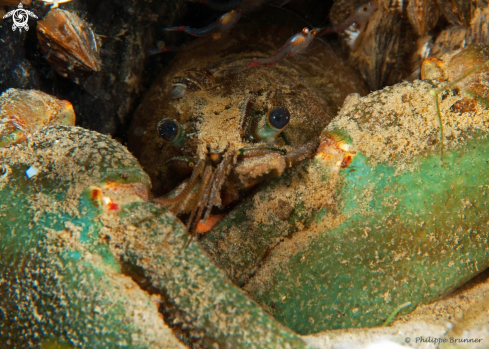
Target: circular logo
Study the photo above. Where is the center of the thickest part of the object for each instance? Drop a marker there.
(20, 18)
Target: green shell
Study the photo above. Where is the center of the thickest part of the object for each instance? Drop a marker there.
(394, 229)
(75, 274)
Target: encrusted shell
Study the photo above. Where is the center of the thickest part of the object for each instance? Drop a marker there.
(423, 15)
(451, 39)
(479, 27)
(381, 53)
(463, 62)
(69, 44)
(392, 5)
(457, 11)
(454, 65)
(25, 111)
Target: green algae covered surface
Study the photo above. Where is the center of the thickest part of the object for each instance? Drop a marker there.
(395, 228)
(418, 241)
(60, 283)
(76, 273)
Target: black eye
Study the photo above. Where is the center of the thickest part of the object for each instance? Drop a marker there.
(278, 117)
(168, 130)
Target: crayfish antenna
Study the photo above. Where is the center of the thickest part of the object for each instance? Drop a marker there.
(436, 92)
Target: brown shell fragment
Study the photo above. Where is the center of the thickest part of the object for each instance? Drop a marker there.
(381, 53)
(342, 9)
(479, 27)
(469, 65)
(25, 111)
(457, 11)
(423, 15)
(433, 69)
(466, 60)
(451, 39)
(69, 44)
(392, 5)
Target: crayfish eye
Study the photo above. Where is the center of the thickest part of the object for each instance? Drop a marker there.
(169, 130)
(278, 118)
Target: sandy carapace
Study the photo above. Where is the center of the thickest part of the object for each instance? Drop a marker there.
(209, 129)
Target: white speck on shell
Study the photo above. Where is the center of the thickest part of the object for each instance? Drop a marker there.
(31, 172)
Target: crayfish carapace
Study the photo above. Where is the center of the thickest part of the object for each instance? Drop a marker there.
(208, 130)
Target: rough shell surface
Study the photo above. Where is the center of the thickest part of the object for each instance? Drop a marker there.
(381, 52)
(25, 111)
(374, 222)
(86, 261)
(69, 44)
(423, 15)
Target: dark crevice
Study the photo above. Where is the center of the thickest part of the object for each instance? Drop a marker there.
(173, 317)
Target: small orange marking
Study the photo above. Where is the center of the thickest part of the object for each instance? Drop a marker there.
(297, 41)
(110, 184)
(96, 196)
(207, 224)
(346, 161)
(112, 206)
(227, 17)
